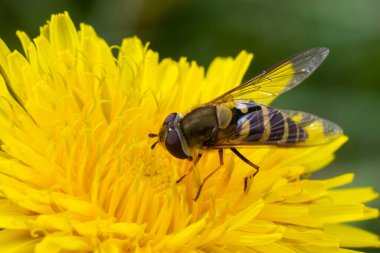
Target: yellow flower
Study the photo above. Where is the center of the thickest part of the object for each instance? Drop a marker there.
(77, 173)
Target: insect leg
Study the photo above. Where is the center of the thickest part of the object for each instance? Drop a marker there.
(191, 168)
(221, 156)
(244, 159)
(209, 175)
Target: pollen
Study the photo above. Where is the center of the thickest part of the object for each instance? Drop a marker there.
(156, 170)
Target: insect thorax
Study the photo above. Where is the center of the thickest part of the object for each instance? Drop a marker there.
(200, 125)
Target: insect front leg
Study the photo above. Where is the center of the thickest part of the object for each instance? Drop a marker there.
(196, 160)
(247, 180)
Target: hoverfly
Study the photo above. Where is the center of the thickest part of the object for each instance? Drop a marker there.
(240, 118)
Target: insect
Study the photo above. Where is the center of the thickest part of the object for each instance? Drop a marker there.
(240, 117)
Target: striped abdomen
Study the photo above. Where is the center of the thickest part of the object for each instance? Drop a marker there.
(259, 124)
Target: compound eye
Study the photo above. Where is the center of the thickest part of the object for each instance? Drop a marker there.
(171, 126)
(173, 144)
(170, 118)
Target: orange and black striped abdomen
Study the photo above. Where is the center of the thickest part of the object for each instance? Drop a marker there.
(265, 125)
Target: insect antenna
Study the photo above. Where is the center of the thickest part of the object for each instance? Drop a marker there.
(152, 135)
(153, 145)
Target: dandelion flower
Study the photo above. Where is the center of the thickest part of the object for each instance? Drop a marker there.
(77, 173)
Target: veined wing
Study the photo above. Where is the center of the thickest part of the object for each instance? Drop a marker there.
(269, 126)
(278, 79)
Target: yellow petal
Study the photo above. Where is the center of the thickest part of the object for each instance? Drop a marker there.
(25, 42)
(250, 239)
(352, 195)
(172, 242)
(17, 241)
(352, 237)
(275, 247)
(55, 243)
(63, 35)
(339, 180)
(334, 213)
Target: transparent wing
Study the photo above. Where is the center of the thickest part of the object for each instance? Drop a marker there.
(278, 79)
(319, 131)
(270, 126)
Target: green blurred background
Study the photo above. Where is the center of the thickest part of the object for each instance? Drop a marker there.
(345, 89)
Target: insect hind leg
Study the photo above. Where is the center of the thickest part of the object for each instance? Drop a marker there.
(247, 180)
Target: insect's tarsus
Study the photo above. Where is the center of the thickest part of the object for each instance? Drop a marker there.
(244, 159)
